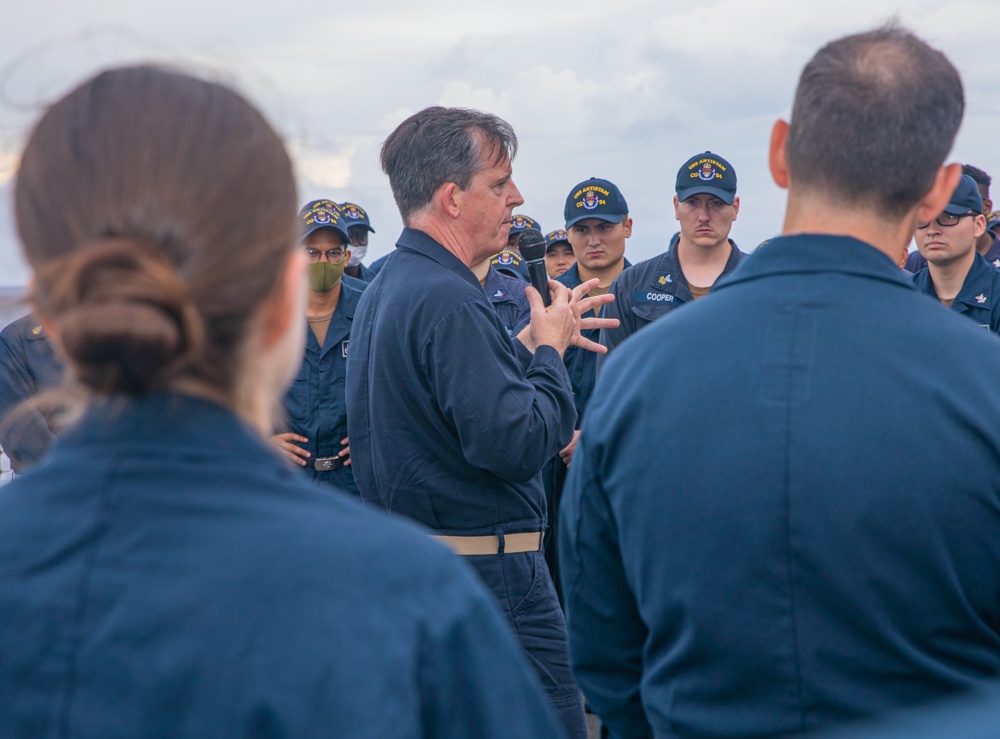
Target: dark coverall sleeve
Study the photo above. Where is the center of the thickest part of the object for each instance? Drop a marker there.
(620, 308)
(606, 632)
(509, 421)
(24, 433)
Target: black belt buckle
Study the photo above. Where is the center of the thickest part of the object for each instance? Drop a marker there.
(325, 464)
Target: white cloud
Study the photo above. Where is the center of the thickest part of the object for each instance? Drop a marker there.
(323, 170)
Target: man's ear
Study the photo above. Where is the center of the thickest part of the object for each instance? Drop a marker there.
(945, 182)
(980, 228)
(449, 198)
(776, 154)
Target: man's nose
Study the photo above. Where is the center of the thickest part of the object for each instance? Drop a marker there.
(515, 195)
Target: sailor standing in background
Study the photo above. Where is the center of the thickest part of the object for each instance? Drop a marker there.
(316, 410)
(358, 226)
(28, 366)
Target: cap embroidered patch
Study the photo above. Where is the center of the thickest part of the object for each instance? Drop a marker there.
(709, 174)
(317, 214)
(595, 198)
(506, 257)
(591, 198)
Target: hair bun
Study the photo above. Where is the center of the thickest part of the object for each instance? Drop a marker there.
(122, 314)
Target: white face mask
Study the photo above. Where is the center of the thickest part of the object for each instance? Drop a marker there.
(357, 255)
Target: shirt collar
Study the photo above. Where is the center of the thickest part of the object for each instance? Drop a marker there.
(817, 253)
(417, 241)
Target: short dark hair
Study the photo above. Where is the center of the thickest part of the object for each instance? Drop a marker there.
(439, 145)
(982, 179)
(874, 117)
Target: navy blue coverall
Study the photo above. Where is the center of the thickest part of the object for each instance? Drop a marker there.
(451, 421)
(28, 366)
(650, 290)
(314, 403)
(506, 293)
(191, 584)
(979, 298)
(784, 507)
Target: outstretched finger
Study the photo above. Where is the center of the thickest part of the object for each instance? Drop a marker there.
(592, 302)
(581, 290)
(587, 324)
(588, 345)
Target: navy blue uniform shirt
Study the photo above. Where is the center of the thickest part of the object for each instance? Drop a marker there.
(28, 366)
(784, 507)
(377, 265)
(509, 301)
(163, 573)
(650, 290)
(979, 298)
(314, 403)
(365, 274)
(450, 419)
(580, 363)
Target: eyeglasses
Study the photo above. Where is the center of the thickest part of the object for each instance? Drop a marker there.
(334, 256)
(946, 219)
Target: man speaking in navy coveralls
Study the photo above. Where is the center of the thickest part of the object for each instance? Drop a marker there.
(784, 507)
(450, 419)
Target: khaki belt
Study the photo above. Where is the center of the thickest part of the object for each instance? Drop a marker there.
(480, 545)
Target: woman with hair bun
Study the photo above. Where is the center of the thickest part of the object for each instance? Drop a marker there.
(162, 572)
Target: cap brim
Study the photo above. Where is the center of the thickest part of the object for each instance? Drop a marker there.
(959, 210)
(599, 216)
(360, 223)
(723, 195)
(319, 226)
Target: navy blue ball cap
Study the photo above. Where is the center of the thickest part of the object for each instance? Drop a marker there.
(324, 213)
(993, 220)
(558, 236)
(707, 173)
(521, 223)
(966, 197)
(595, 198)
(355, 215)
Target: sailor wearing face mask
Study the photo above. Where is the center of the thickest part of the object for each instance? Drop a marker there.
(316, 433)
(358, 226)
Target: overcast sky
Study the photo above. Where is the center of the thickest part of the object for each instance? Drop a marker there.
(625, 91)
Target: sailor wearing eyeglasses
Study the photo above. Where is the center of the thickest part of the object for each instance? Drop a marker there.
(315, 406)
(956, 273)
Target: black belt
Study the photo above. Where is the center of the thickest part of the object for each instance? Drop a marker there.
(325, 464)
